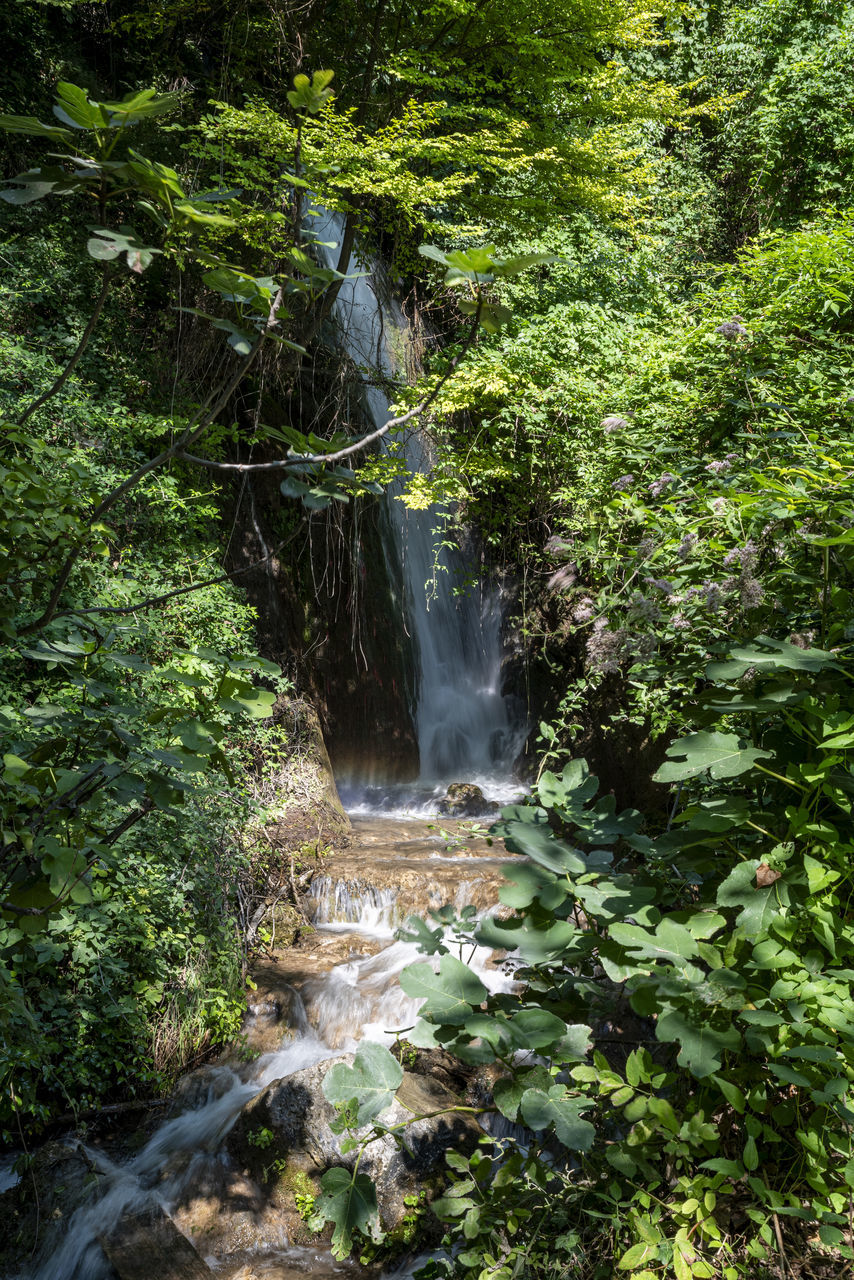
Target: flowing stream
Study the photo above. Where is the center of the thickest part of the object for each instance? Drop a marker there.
(342, 987)
(341, 984)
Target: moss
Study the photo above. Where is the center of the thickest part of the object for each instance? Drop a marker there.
(296, 1182)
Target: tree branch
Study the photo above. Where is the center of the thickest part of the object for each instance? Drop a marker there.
(151, 601)
(195, 430)
(315, 459)
(81, 347)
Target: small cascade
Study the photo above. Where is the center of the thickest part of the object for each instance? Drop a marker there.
(340, 984)
(465, 727)
(338, 987)
(343, 904)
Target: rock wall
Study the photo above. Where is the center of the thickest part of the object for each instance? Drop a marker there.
(328, 609)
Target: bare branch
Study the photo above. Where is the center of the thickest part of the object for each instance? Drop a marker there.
(315, 459)
(151, 601)
(106, 280)
(206, 415)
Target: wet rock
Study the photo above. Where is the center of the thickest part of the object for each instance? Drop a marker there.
(465, 800)
(147, 1243)
(290, 1264)
(401, 868)
(296, 786)
(60, 1178)
(299, 1118)
(198, 1088)
(225, 1212)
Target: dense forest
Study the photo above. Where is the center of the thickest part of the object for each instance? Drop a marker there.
(619, 240)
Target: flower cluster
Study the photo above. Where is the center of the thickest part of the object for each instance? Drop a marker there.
(624, 482)
(744, 556)
(642, 609)
(613, 423)
(606, 648)
(732, 328)
(686, 546)
(722, 465)
(658, 486)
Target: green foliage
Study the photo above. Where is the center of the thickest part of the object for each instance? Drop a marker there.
(727, 935)
(369, 1086)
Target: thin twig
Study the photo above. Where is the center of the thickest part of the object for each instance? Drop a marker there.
(81, 347)
(317, 459)
(189, 437)
(151, 601)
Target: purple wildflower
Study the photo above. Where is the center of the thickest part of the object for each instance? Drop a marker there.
(712, 596)
(564, 577)
(605, 648)
(624, 482)
(613, 423)
(642, 609)
(731, 328)
(686, 546)
(751, 592)
(744, 556)
(658, 486)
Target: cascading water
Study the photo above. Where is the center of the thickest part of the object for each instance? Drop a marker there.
(356, 1000)
(465, 732)
(464, 726)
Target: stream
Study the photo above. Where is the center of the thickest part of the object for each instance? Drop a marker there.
(340, 984)
(313, 1002)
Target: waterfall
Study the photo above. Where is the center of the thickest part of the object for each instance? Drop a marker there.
(464, 726)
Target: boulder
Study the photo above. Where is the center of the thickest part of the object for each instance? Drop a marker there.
(36, 1211)
(281, 1144)
(466, 800)
(147, 1243)
(304, 810)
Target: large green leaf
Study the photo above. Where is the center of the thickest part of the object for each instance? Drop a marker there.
(536, 940)
(349, 1201)
(540, 1110)
(106, 245)
(527, 883)
(75, 108)
(508, 1091)
(139, 104)
(540, 843)
(720, 753)
(759, 906)
(371, 1081)
(768, 654)
(575, 785)
(34, 185)
(614, 899)
(311, 95)
(538, 1029)
(35, 128)
(449, 994)
(702, 1044)
(670, 941)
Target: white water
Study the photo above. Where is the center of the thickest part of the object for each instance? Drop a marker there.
(361, 999)
(465, 733)
(464, 726)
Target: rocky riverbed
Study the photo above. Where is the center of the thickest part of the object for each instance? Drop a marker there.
(223, 1182)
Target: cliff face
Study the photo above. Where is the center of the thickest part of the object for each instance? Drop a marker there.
(330, 615)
